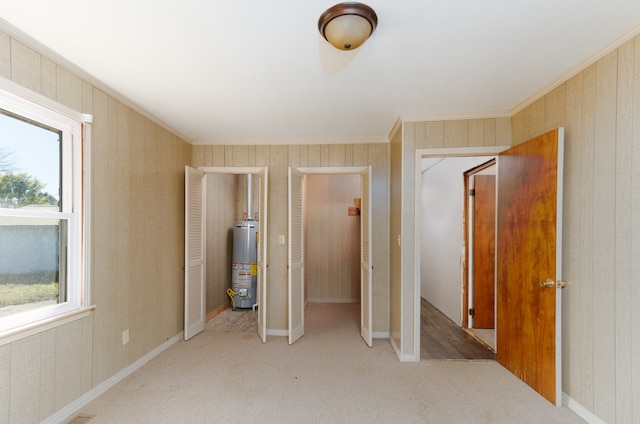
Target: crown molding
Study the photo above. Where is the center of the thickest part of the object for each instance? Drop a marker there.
(37, 46)
(576, 69)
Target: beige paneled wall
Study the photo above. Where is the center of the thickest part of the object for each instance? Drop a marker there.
(600, 110)
(395, 249)
(221, 215)
(410, 137)
(137, 248)
(332, 238)
(278, 158)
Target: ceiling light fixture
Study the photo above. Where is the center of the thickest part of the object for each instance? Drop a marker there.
(347, 25)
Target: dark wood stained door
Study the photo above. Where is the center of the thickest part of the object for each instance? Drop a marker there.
(484, 233)
(529, 213)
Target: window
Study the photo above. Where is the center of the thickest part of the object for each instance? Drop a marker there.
(41, 213)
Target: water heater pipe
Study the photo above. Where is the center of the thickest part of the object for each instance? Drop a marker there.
(249, 190)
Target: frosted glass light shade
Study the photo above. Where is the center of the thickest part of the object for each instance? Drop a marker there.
(347, 25)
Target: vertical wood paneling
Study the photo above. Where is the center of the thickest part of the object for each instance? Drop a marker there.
(68, 88)
(555, 108)
(360, 155)
(476, 132)
(635, 237)
(197, 156)
(601, 113)
(262, 156)
(534, 119)
(622, 235)
(101, 231)
(603, 237)
(295, 156)
(47, 388)
(221, 216)
(26, 67)
(137, 236)
(435, 135)
(228, 155)
(137, 244)
(503, 132)
(517, 128)
(420, 134)
(456, 134)
(304, 156)
(5, 383)
(572, 269)
(324, 155)
(490, 132)
(315, 156)
(587, 244)
(215, 156)
(337, 155)
(24, 404)
(68, 354)
(49, 78)
(5, 58)
(348, 158)
(332, 238)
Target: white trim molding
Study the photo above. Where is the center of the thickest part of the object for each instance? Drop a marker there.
(72, 408)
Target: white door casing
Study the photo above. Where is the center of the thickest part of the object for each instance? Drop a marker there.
(195, 290)
(262, 256)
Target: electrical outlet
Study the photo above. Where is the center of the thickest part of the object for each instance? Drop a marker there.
(125, 337)
(281, 239)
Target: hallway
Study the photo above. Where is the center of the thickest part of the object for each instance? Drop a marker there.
(440, 338)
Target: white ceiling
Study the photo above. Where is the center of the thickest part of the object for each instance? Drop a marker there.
(256, 71)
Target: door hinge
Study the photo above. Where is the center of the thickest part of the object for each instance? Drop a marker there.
(472, 311)
(472, 192)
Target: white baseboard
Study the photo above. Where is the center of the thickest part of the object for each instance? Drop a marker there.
(580, 410)
(380, 334)
(332, 300)
(274, 332)
(73, 407)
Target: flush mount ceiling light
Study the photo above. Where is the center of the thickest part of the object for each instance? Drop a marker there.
(347, 25)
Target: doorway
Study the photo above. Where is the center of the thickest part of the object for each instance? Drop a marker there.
(478, 300)
(206, 216)
(336, 256)
(443, 310)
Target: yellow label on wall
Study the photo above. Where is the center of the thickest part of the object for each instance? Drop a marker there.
(254, 269)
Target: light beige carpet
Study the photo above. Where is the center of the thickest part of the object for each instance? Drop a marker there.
(328, 376)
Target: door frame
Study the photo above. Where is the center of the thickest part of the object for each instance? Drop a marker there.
(419, 154)
(239, 170)
(348, 170)
(468, 282)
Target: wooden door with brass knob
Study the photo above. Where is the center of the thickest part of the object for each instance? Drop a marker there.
(528, 256)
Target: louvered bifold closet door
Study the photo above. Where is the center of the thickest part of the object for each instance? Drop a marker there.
(366, 276)
(296, 255)
(194, 288)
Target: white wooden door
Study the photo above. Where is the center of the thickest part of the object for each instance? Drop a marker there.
(366, 269)
(262, 256)
(296, 256)
(194, 252)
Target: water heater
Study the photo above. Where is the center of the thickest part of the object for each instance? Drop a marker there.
(244, 266)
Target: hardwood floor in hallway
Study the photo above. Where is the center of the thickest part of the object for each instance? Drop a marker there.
(441, 338)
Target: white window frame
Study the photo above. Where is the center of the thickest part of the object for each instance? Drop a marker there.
(75, 134)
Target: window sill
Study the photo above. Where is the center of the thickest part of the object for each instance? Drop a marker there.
(17, 333)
